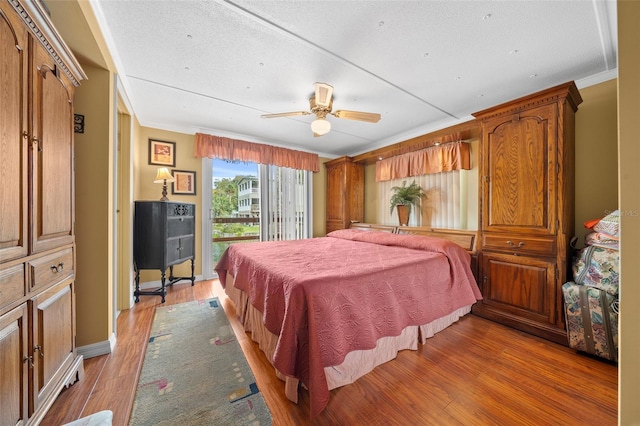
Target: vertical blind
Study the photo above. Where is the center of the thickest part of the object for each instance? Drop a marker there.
(285, 203)
(440, 208)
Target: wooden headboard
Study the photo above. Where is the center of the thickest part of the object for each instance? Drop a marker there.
(373, 227)
(468, 240)
(465, 239)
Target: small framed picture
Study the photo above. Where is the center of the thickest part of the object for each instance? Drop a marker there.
(184, 182)
(162, 153)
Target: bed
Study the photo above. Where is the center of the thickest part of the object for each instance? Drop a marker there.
(327, 310)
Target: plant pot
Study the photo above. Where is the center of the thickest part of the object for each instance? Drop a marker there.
(403, 214)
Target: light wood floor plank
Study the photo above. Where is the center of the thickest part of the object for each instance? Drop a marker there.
(476, 372)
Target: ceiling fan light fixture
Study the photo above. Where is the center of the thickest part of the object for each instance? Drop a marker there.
(320, 126)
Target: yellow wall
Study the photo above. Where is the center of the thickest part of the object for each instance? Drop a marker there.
(629, 181)
(596, 165)
(94, 206)
(145, 173)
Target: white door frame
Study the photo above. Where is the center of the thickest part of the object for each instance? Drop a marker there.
(207, 218)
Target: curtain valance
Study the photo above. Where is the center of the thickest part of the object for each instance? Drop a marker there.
(233, 149)
(436, 159)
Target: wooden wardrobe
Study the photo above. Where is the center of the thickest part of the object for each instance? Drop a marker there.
(37, 244)
(527, 210)
(345, 193)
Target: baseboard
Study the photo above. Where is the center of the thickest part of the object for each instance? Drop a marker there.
(105, 347)
(97, 349)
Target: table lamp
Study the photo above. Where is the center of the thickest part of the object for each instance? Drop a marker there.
(164, 176)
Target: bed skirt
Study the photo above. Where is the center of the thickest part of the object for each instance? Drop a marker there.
(357, 363)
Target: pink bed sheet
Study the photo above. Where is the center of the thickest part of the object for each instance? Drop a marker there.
(325, 297)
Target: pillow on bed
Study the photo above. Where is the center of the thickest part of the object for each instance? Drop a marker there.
(346, 234)
(416, 242)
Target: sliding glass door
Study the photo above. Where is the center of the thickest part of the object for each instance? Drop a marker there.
(235, 205)
(251, 202)
(286, 203)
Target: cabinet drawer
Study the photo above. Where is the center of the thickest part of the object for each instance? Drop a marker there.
(51, 268)
(515, 244)
(12, 284)
(179, 226)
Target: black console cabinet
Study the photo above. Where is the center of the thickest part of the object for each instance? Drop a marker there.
(163, 236)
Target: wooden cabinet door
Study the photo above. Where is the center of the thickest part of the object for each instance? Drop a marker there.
(13, 140)
(521, 286)
(180, 233)
(53, 339)
(519, 172)
(187, 248)
(336, 197)
(51, 155)
(14, 367)
(345, 193)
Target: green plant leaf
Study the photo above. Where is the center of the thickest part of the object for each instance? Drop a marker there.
(406, 195)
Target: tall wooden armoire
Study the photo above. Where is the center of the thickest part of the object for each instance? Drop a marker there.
(38, 356)
(345, 193)
(527, 210)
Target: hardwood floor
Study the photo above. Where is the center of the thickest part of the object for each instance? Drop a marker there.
(475, 372)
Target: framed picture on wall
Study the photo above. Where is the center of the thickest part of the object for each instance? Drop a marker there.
(184, 182)
(162, 153)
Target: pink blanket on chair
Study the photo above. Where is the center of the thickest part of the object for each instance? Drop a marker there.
(325, 297)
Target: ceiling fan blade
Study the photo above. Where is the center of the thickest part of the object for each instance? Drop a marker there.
(324, 92)
(369, 117)
(285, 114)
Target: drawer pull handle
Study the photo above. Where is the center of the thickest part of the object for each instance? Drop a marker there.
(57, 268)
(29, 359)
(510, 244)
(39, 349)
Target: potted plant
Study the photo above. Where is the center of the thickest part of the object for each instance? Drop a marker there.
(403, 198)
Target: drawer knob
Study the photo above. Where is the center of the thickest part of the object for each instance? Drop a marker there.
(57, 268)
(511, 244)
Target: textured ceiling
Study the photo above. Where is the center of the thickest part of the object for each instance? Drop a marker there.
(216, 66)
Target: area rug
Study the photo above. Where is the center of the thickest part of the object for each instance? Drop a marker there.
(195, 373)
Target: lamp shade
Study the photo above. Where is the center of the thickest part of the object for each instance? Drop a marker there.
(163, 175)
(320, 126)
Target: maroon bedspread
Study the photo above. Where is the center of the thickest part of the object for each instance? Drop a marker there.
(325, 297)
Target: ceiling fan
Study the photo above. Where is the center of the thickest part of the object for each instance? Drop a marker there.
(321, 104)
